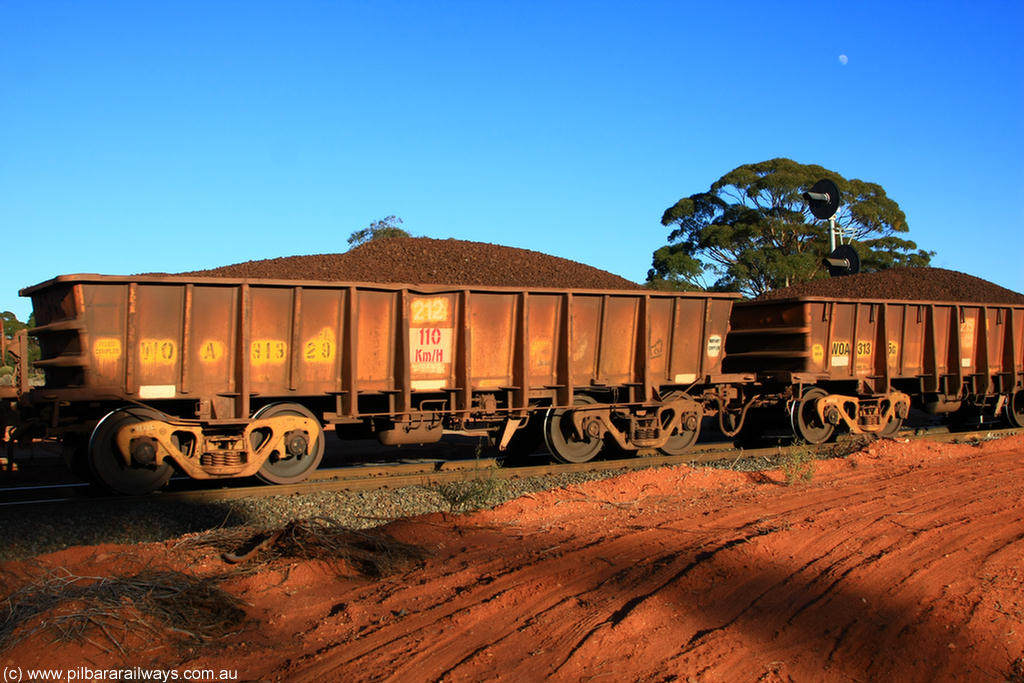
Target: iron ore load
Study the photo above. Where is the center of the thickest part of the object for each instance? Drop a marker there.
(239, 371)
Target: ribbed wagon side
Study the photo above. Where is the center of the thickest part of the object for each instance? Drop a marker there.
(239, 377)
(862, 364)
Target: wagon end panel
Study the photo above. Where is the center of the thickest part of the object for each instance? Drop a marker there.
(81, 330)
(772, 337)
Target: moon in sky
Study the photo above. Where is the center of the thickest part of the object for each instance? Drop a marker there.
(843, 59)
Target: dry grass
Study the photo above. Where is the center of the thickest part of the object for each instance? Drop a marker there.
(798, 464)
(472, 494)
(370, 553)
(153, 601)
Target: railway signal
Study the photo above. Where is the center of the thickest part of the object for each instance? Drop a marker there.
(823, 201)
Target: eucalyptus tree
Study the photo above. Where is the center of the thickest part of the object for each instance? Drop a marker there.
(752, 231)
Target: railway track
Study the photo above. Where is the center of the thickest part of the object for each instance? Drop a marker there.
(432, 471)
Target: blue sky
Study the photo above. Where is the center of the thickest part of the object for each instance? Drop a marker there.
(151, 136)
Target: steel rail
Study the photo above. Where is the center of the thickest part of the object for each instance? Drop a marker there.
(433, 472)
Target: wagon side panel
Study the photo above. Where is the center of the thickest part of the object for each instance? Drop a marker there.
(584, 338)
(213, 347)
(493, 323)
(617, 342)
(101, 312)
(374, 337)
(270, 339)
(319, 332)
(660, 339)
(544, 312)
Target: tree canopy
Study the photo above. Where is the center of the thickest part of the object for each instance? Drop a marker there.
(752, 231)
(385, 227)
(11, 325)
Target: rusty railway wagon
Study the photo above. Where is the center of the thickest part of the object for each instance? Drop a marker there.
(861, 365)
(232, 378)
(225, 378)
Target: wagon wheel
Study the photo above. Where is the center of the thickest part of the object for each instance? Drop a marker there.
(804, 418)
(893, 426)
(107, 465)
(281, 468)
(559, 437)
(1015, 409)
(681, 441)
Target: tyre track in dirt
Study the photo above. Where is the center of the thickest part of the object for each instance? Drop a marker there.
(875, 571)
(904, 562)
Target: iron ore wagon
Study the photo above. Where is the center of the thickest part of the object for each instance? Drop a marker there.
(237, 377)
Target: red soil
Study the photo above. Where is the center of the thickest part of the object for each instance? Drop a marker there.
(902, 563)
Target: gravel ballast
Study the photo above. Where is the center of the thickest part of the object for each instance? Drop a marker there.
(27, 532)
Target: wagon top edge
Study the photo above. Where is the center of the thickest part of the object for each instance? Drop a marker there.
(911, 302)
(423, 288)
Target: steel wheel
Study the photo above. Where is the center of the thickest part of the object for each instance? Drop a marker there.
(892, 427)
(1015, 409)
(105, 461)
(680, 442)
(804, 418)
(281, 468)
(559, 437)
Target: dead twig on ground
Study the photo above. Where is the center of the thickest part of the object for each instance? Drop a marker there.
(71, 607)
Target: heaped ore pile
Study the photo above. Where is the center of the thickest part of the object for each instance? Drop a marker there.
(915, 284)
(421, 260)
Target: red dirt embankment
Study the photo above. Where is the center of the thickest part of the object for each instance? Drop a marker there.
(902, 563)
